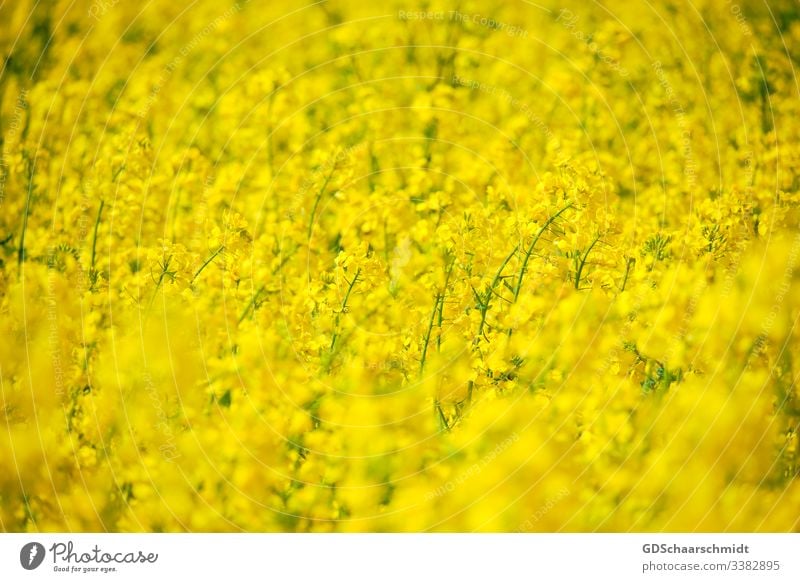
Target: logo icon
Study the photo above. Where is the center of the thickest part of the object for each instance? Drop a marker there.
(31, 555)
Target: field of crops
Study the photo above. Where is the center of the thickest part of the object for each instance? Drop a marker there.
(354, 266)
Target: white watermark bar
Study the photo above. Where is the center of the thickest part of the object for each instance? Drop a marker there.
(400, 557)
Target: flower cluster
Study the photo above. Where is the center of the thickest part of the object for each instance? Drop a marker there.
(281, 268)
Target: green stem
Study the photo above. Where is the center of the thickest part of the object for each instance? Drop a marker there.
(204, 265)
(320, 194)
(21, 250)
(257, 295)
(449, 271)
(439, 323)
(252, 303)
(428, 333)
(164, 271)
(529, 252)
(344, 306)
(484, 304)
(628, 264)
(117, 172)
(94, 238)
(442, 417)
(583, 262)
